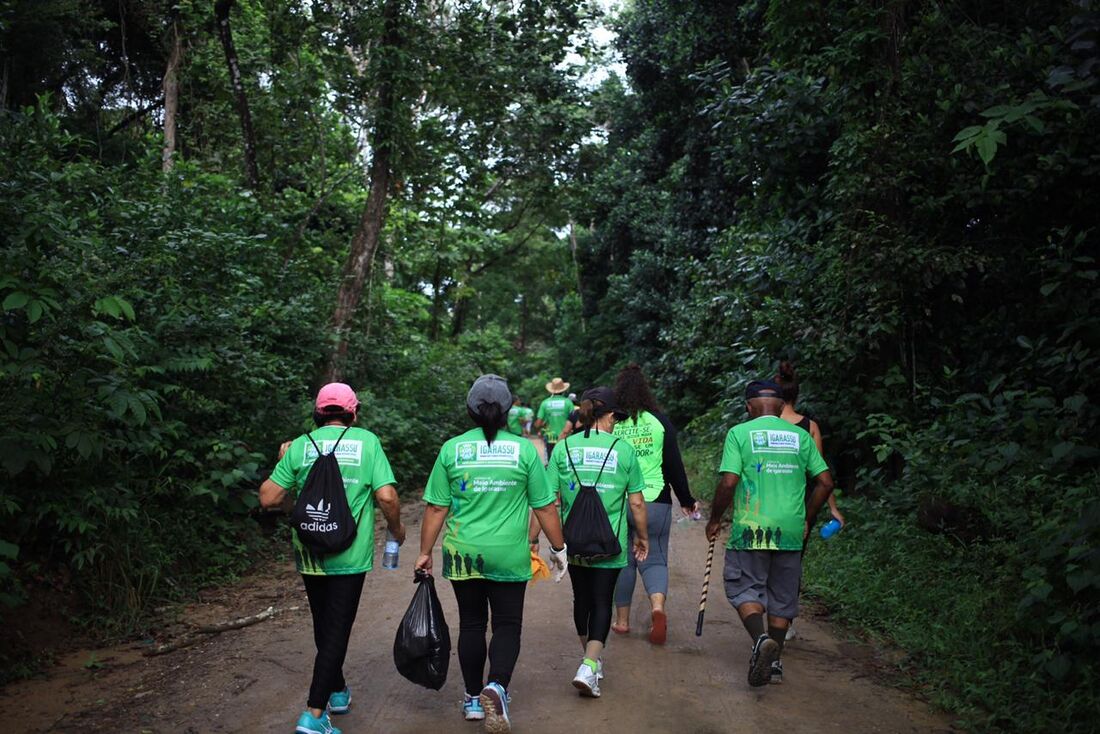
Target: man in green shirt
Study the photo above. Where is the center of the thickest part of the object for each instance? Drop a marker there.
(553, 413)
(766, 460)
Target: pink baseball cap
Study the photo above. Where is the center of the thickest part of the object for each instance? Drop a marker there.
(338, 394)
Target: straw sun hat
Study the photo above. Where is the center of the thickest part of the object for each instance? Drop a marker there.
(556, 386)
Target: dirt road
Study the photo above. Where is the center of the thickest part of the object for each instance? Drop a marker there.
(255, 679)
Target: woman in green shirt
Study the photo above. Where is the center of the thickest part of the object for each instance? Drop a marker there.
(484, 484)
(594, 457)
(653, 437)
(334, 582)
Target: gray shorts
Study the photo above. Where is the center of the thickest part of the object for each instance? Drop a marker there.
(765, 577)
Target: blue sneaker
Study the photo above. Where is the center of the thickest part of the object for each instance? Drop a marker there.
(471, 708)
(494, 700)
(307, 724)
(340, 702)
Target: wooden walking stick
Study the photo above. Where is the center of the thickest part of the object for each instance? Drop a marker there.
(706, 584)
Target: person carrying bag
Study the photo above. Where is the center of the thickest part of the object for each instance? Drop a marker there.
(338, 473)
(484, 485)
(597, 476)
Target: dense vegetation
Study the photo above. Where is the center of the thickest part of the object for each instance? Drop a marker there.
(899, 196)
(208, 208)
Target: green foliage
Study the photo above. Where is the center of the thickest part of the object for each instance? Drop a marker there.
(162, 333)
(780, 182)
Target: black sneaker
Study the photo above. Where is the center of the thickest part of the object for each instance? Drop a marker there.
(764, 653)
(777, 673)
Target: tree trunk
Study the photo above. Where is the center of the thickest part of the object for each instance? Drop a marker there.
(171, 86)
(365, 243)
(360, 257)
(577, 271)
(225, 33)
(4, 85)
(524, 318)
(462, 310)
(437, 300)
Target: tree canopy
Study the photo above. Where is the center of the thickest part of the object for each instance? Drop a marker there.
(210, 207)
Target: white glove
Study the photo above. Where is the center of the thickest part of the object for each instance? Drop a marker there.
(558, 562)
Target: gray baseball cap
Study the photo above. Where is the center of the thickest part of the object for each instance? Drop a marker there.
(491, 389)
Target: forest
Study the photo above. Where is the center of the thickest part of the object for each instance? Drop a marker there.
(208, 208)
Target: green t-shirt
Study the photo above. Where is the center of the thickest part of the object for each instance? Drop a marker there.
(364, 468)
(490, 490)
(773, 459)
(517, 417)
(555, 412)
(621, 475)
(647, 436)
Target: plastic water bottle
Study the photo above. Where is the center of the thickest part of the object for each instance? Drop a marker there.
(830, 528)
(389, 558)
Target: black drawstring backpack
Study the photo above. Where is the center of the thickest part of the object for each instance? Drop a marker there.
(321, 516)
(587, 530)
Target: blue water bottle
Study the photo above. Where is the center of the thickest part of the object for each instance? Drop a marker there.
(389, 558)
(831, 528)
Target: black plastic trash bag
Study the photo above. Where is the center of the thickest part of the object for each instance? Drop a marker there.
(422, 648)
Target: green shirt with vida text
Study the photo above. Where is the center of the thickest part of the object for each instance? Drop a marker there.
(364, 468)
(773, 459)
(555, 412)
(647, 435)
(621, 476)
(490, 489)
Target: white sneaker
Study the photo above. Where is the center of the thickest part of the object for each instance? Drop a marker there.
(791, 634)
(599, 670)
(587, 681)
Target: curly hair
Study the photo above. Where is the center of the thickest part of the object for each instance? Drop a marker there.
(632, 391)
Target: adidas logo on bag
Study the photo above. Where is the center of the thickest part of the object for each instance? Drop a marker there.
(320, 512)
(319, 515)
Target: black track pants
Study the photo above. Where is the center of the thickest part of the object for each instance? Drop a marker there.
(475, 598)
(593, 589)
(333, 602)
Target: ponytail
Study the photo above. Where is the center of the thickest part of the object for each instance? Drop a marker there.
(586, 414)
(489, 418)
(788, 382)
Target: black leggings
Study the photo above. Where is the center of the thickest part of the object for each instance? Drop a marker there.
(333, 602)
(475, 597)
(593, 589)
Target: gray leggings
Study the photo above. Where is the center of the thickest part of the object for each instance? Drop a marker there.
(654, 568)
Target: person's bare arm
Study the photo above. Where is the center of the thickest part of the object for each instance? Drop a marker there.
(815, 433)
(823, 489)
(723, 497)
(434, 515)
(567, 431)
(386, 497)
(641, 533)
(548, 519)
(272, 495)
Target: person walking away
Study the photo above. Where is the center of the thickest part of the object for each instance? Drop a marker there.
(516, 415)
(483, 485)
(653, 438)
(595, 457)
(788, 383)
(553, 413)
(766, 460)
(334, 582)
